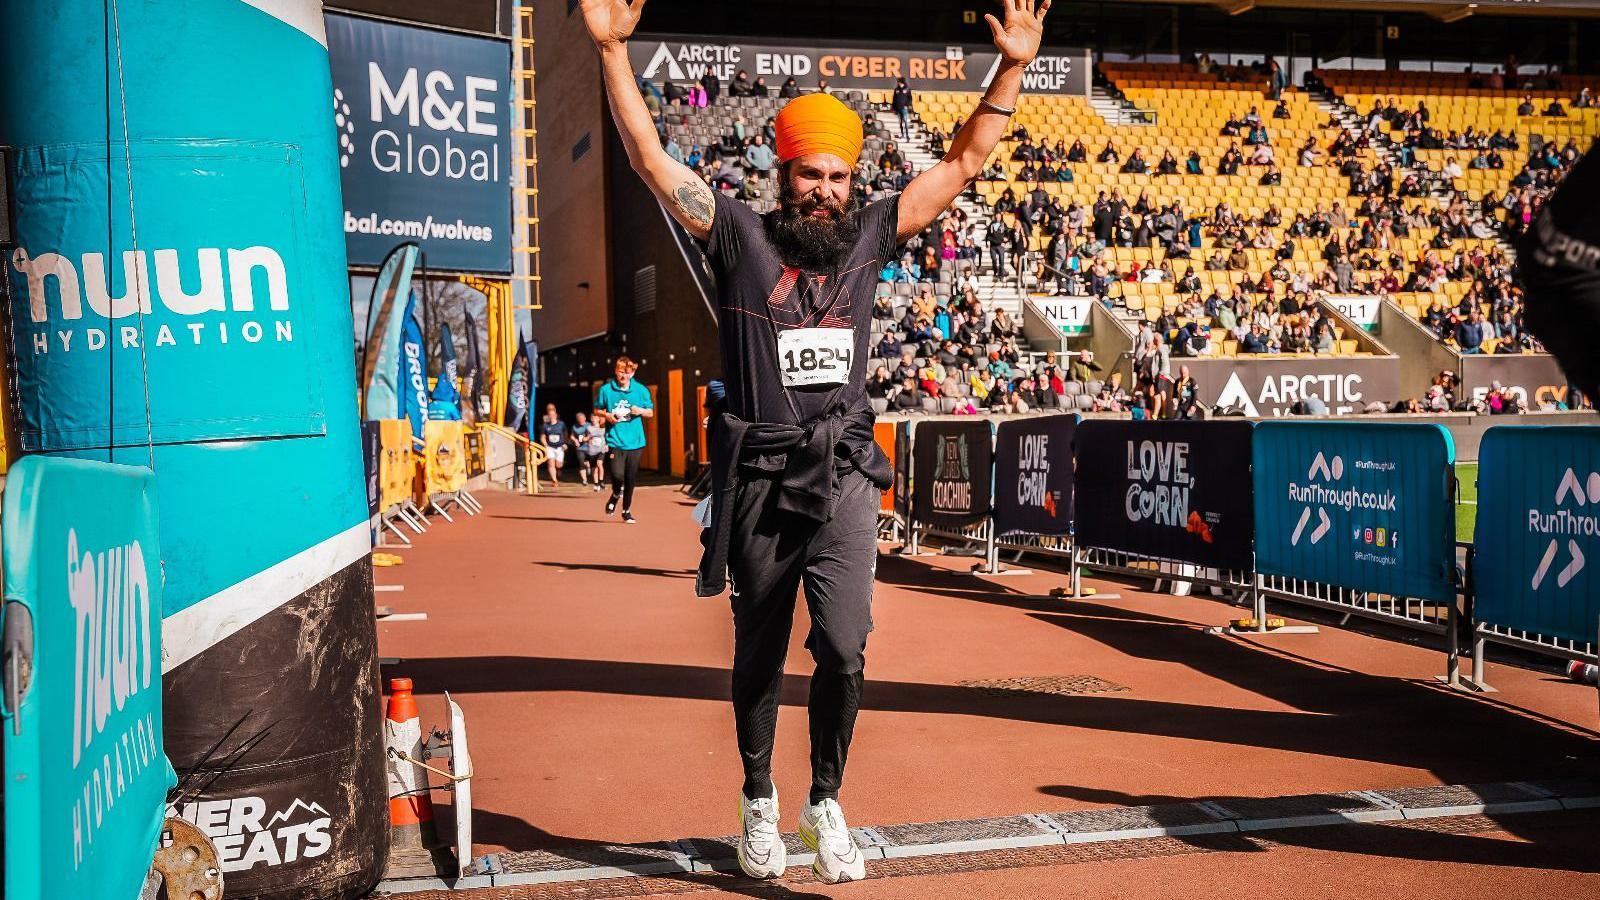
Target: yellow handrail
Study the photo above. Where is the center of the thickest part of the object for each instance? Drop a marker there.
(535, 452)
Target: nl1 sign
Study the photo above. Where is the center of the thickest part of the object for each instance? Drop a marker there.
(424, 123)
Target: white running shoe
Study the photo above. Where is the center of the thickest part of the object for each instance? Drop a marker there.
(761, 851)
(823, 829)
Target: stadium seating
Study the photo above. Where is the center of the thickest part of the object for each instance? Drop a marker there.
(1455, 104)
(1180, 109)
(699, 128)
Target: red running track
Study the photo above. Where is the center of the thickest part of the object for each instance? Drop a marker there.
(596, 686)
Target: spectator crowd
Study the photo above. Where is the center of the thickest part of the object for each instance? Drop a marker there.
(942, 348)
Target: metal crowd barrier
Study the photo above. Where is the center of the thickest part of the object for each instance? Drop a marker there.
(1455, 619)
(1245, 588)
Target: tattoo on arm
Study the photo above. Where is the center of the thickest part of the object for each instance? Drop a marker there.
(693, 199)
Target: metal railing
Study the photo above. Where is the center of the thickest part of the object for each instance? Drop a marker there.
(534, 454)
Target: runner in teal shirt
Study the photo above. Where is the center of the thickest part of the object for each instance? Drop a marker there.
(622, 405)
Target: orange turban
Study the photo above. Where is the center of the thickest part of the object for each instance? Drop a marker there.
(818, 123)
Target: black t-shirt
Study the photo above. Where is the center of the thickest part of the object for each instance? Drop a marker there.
(1559, 261)
(758, 297)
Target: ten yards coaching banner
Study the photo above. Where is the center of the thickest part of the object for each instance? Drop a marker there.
(951, 475)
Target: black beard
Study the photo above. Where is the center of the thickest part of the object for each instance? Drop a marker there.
(808, 242)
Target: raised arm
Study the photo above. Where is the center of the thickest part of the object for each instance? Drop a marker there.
(932, 192)
(679, 189)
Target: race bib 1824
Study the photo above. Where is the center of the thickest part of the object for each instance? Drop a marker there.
(808, 356)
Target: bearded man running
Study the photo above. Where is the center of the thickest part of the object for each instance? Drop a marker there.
(796, 473)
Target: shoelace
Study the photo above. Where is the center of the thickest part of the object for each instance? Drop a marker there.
(830, 828)
(761, 823)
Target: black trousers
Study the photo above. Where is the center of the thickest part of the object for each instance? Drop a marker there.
(772, 556)
(623, 466)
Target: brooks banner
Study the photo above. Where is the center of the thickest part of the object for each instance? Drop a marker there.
(951, 473)
(444, 389)
(1362, 505)
(1171, 490)
(413, 375)
(85, 765)
(1033, 475)
(1539, 529)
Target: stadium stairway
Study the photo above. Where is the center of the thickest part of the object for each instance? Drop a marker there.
(1438, 187)
(1118, 112)
(993, 292)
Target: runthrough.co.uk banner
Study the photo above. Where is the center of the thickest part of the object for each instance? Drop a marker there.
(424, 122)
(1363, 505)
(1538, 530)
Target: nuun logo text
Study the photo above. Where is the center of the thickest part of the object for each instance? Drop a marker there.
(252, 281)
(112, 662)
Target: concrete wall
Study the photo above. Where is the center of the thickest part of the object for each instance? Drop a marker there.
(574, 227)
(1112, 343)
(1421, 355)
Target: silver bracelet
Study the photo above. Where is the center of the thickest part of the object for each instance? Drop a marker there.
(985, 101)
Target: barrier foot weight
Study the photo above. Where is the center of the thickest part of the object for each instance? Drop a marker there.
(997, 572)
(1255, 628)
(1465, 685)
(1082, 593)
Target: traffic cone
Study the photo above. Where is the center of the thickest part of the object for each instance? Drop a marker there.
(411, 834)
